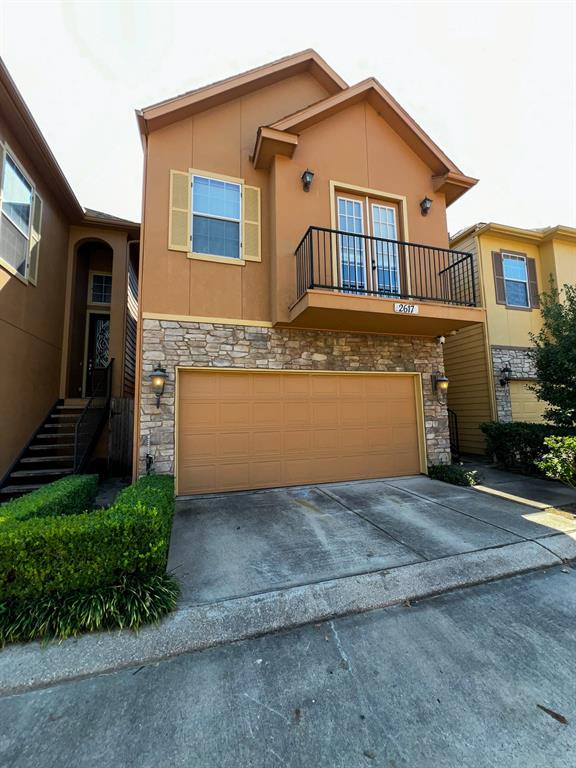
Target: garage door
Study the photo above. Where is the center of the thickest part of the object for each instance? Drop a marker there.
(261, 430)
(525, 404)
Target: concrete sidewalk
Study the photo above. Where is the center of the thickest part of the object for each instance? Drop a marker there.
(261, 562)
(476, 678)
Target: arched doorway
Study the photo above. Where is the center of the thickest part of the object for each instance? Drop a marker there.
(90, 318)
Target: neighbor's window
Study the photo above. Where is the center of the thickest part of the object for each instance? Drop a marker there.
(17, 196)
(515, 280)
(216, 212)
(101, 292)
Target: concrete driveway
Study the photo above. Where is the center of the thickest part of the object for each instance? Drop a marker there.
(239, 544)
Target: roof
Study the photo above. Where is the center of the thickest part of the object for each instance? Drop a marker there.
(538, 235)
(186, 104)
(16, 113)
(281, 137)
(99, 217)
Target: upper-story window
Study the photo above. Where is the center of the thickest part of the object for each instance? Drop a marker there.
(216, 217)
(20, 219)
(515, 280)
(100, 288)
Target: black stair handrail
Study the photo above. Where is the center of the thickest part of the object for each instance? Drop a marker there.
(90, 420)
(27, 444)
(453, 430)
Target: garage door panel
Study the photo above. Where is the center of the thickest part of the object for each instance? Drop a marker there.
(257, 430)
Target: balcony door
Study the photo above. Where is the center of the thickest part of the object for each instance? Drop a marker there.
(367, 263)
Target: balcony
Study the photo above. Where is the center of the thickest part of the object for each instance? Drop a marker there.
(348, 281)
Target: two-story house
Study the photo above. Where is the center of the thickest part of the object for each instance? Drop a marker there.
(68, 314)
(296, 283)
(489, 366)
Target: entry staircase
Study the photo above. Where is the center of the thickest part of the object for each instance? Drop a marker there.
(62, 444)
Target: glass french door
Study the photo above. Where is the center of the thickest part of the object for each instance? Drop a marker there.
(368, 264)
(385, 265)
(352, 250)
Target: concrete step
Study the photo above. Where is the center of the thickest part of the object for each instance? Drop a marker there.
(39, 472)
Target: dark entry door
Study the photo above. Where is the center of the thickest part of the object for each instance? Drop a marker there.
(98, 352)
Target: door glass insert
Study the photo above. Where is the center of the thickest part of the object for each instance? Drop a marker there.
(351, 248)
(387, 267)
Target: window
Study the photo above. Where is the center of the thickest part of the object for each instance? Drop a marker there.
(101, 289)
(515, 280)
(216, 216)
(17, 197)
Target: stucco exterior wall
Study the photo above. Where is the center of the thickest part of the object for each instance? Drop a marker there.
(193, 344)
(31, 322)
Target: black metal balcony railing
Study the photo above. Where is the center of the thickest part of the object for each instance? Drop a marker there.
(331, 259)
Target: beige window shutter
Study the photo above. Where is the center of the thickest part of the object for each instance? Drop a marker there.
(35, 236)
(499, 277)
(179, 214)
(252, 246)
(532, 282)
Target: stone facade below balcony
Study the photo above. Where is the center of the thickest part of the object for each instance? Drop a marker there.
(520, 363)
(202, 345)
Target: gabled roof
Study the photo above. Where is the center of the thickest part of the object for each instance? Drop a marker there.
(171, 110)
(538, 235)
(16, 113)
(448, 178)
(92, 217)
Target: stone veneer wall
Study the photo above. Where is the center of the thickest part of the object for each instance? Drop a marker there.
(232, 346)
(519, 361)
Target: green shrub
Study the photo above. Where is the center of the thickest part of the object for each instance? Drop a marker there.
(518, 444)
(128, 604)
(559, 463)
(68, 496)
(42, 556)
(453, 473)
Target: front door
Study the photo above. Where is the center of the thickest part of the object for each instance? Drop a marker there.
(97, 352)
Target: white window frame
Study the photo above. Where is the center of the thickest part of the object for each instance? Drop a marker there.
(9, 153)
(515, 257)
(209, 256)
(344, 248)
(90, 300)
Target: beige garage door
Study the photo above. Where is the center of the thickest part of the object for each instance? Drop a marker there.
(261, 430)
(525, 404)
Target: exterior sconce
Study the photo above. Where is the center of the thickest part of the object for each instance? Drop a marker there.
(505, 376)
(307, 178)
(158, 378)
(440, 384)
(425, 206)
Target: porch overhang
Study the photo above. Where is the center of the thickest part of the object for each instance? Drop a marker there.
(330, 310)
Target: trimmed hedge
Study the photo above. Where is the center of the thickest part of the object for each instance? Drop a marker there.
(519, 444)
(453, 474)
(68, 496)
(59, 555)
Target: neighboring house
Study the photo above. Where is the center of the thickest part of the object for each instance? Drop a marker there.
(68, 305)
(280, 287)
(514, 266)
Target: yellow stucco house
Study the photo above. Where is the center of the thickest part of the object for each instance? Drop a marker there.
(488, 365)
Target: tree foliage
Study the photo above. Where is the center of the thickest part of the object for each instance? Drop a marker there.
(554, 355)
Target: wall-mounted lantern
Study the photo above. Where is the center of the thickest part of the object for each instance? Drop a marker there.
(425, 206)
(505, 376)
(158, 378)
(440, 384)
(307, 179)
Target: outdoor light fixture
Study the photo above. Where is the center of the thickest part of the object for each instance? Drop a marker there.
(307, 178)
(440, 384)
(505, 375)
(158, 378)
(425, 206)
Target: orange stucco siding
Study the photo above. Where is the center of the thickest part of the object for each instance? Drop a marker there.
(354, 146)
(31, 322)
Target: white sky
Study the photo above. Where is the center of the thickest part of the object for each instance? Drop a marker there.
(493, 83)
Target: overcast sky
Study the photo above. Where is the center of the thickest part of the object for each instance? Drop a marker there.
(493, 83)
